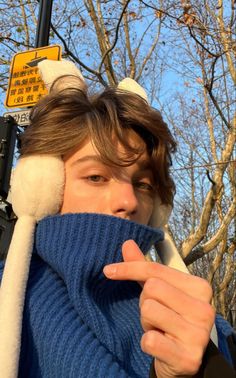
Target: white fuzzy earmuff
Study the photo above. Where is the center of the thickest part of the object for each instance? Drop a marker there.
(71, 77)
(132, 86)
(37, 191)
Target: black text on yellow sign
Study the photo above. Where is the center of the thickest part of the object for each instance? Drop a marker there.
(25, 85)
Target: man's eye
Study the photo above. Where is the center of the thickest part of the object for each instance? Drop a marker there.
(144, 186)
(96, 178)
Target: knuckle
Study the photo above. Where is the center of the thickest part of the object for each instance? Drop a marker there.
(146, 308)
(207, 313)
(141, 299)
(206, 289)
(190, 364)
(143, 324)
(193, 367)
(199, 339)
(148, 341)
(195, 362)
(152, 269)
(210, 313)
(150, 285)
(203, 337)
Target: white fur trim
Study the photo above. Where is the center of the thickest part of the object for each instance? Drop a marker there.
(161, 213)
(169, 254)
(12, 294)
(37, 186)
(166, 250)
(37, 191)
(214, 336)
(50, 70)
(131, 85)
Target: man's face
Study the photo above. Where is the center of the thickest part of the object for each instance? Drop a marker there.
(94, 187)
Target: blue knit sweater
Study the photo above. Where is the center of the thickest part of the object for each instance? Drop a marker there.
(76, 322)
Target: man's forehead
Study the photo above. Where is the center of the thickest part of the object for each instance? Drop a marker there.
(143, 162)
(88, 152)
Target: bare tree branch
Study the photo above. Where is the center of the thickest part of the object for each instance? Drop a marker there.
(201, 44)
(116, 35)
(217, 260)
(26, 28)
(76, 59)
(100, 37)
(227, 43)
(128, 45)
(148, 56)
(216, 239)
(211, 198)
(216, 105)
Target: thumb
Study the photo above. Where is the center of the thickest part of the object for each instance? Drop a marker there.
(131, 252)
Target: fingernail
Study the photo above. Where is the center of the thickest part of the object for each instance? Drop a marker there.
(110, 270)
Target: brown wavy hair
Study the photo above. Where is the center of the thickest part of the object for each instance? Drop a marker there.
(63, 121)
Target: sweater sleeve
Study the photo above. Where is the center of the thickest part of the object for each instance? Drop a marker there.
(213, 365)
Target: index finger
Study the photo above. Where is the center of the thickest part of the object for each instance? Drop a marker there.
(142, 271)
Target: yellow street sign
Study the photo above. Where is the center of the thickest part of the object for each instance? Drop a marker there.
(25, 85)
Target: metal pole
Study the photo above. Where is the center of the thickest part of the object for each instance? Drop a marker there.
(44, 20)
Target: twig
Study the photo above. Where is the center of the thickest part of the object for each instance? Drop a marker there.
(116, 37)
(69, 52)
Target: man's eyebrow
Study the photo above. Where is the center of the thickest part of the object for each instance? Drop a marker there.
(87, 158)
(144, 165)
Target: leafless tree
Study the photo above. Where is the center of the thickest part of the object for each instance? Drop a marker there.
(182, 52)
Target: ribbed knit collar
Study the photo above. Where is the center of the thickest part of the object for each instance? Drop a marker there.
(71, 242)
(77, 247)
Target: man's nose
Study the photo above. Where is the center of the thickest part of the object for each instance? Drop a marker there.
(124, 202)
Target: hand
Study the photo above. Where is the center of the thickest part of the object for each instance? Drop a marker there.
(174, 309)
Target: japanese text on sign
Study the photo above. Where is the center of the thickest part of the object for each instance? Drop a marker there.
(21, 116)
(25, 84)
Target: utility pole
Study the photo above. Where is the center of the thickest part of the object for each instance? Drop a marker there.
(8, 135)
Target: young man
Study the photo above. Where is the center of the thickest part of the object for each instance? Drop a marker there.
(101, 164)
